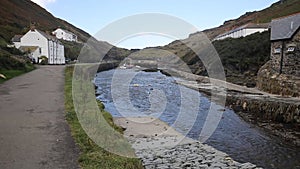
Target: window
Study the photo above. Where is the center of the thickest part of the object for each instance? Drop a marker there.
(40, 49)
(277, 50)
(291, 49)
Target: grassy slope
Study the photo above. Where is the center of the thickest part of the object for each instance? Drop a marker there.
(93, 156)
(12, 66)
(243, 57)
(264, 16)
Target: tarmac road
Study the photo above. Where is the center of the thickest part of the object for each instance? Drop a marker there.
(33, 130)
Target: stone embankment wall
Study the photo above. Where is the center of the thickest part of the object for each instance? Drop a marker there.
(264, 108)
(271, 81)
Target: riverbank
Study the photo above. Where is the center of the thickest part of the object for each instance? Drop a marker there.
(92, 155)
(160, 146)
(276, 114)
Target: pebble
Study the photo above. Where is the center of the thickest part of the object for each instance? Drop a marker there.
(193, 155)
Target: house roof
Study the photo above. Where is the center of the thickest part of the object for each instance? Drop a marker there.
(17, 38)
(285, 28)
(49, 37)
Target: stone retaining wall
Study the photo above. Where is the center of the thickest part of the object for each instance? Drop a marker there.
(271, 81)
(265, 109)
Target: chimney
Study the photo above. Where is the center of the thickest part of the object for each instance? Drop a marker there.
(32, 26)
(292, 25)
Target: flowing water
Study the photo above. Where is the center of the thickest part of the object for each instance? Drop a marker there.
(242, 141)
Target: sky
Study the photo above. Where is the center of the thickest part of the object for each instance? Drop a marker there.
(94, 15)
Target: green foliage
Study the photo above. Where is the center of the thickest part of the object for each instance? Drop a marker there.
(93, 156)
(44, 60)
(11, 67)
(278, 9)
(244, 56)
(72, 49)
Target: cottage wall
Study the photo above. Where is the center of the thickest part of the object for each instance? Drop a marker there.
(276, 57)
(291, 60)
(34, 38)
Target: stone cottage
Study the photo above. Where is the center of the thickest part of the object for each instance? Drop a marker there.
(285, 45)
(281, 75)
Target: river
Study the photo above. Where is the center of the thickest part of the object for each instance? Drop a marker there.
(244, 142)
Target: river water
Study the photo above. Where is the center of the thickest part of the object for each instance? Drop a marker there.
(242, 141)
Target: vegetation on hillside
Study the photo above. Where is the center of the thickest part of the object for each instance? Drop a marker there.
(243, 57)
(72, 49)
(278, 9)
(12, 63)
(18, 15)
(93, 156)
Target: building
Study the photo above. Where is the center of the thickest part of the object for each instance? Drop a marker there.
(281, 74)
(17, 40)
(244, 30)
(65, 35)
(39, 44)
(285, 45)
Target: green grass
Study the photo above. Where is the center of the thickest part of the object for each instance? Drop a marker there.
(92, 155)
(9, 74)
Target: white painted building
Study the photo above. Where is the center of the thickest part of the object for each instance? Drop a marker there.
(243, 31)
(65, 35)
(39, 44)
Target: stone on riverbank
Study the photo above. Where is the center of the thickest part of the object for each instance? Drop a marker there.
(159, 146)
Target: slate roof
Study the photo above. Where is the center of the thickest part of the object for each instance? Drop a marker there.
(285, 28)
(17, 38)
(49, 37)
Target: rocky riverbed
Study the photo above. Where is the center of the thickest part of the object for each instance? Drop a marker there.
(242, 141)
(161, 147)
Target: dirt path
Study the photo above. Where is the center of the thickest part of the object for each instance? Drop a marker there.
(33, 130)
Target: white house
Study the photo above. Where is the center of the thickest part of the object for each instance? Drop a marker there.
(38, 44)
(244, 30)
(65, 35)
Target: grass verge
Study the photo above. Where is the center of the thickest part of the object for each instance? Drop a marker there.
(9, 74)
(93, 156)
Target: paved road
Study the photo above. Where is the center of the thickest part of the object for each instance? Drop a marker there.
(33, 130)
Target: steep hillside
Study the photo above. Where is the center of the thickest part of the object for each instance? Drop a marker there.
(241, 57)
(279, 9)
(17, 15)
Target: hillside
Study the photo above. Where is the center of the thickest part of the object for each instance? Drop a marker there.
(16, 16)
(278, 9)
(241, 57)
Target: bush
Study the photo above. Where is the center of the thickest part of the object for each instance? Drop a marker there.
(44, 60)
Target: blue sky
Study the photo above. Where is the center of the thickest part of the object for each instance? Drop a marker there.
(93, 15)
